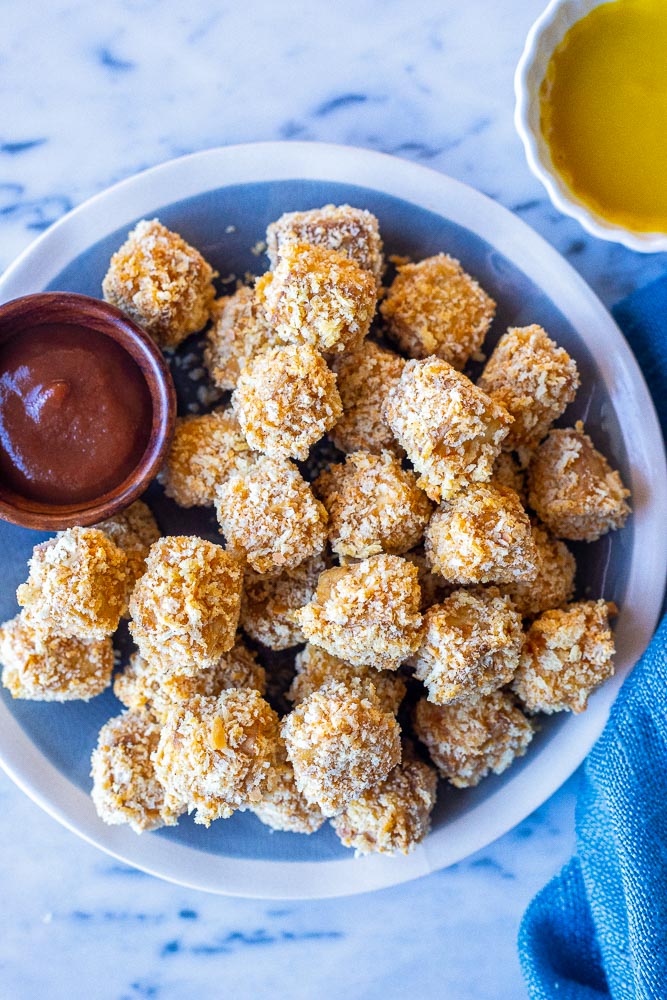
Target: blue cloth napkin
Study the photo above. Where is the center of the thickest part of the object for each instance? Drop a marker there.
(599, 929)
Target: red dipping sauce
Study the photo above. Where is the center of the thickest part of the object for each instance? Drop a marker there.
(75, 413)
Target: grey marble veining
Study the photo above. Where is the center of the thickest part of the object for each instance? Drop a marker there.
(91, 94)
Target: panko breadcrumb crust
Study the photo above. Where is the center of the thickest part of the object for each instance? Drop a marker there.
(133, 530)
(482, 535)
(319, 297)
(239, 332)
(451, 431)
(366, 613)
(534, 380)
(269, 602)
(161, 282)
(125, 786)
(270, 517)
(393, 816)
(470, 646)
(44, 667)
(282, 806)
(315, 668)
(185, 608)
(77, 585)
(374, 505)
(285, 400)
(365, 378)
(468, 740)
(205, 451)
(508, 472)
(433, 587)
(554, 583)
(573, 489)
(567, 654)
(435, 308)
(351, 231)
(340, 741)
(216, 754)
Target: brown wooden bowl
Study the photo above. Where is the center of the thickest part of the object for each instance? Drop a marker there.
(32, 311)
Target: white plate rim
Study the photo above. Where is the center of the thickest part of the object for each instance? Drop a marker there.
(141, 195)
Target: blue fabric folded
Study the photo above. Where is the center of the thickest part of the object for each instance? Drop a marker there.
(599, 928)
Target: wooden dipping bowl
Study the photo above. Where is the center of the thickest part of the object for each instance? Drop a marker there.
(44, 308)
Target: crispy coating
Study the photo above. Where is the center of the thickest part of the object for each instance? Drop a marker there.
(270, 517)
(216, 754)
(393, 816)
(554, 583)
(451, 430)
(573, 488)
(434, 307)
(365, 377)
(340, 741)
(133, 530)
(205, 451)
(161, 282)
(239, 331)
(319, 297)
(468, 740)
(144, 686)
(482, 536)
(470, 646)
(77, 585)
(366, 613)
(351, 231)
(433, 587)
(44, 667)
(125, 786)
(185, 608)
(534, 379)
(508, 472)
(269, 602)
(286, 400)
(315, 668)
(566, 655)
(374, 505)
(282, 806)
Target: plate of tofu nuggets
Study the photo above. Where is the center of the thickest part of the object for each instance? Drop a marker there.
(407, 543)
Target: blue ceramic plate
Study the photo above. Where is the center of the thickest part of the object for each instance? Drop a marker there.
(221, 201)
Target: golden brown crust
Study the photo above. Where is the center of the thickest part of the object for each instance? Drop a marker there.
(239, 331)
(365, 377)
(282, 806)
(161, 282)
(508, 472)
(315, 668)
(269, 602)
(434, 307)
(554, 583)
(133, 530)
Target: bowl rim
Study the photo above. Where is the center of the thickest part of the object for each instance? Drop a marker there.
(209, 170)
(561, 196)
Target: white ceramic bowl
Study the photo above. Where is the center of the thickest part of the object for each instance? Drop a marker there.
(544, 36)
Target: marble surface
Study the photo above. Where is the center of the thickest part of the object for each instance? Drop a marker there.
(93, 93)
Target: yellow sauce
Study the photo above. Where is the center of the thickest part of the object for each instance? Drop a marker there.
(603, 110)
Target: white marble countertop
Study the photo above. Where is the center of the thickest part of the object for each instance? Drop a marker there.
(91, 94)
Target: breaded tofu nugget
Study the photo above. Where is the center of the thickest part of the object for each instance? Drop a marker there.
(161, 282)
(471, 645)
(340, 741)
(216, 754)
(270, 517)
(534, 379)
(482, 535)
(282, 806)
(286, 400)
(365, 378)
(573, 489)
(393, 816)
(566, 655)
(133, 530)
(366, 613)
(269, 602)
(315, 668)
(451, 431)
(77, 585)
(125, 786)
(205, 451)
(351, 231)
(554, 583)
(374, 505)
(434, 307)
(44, 667)
(319, 297)
(239, 331)
(185, 608)
(508, 472)
(468, 740)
